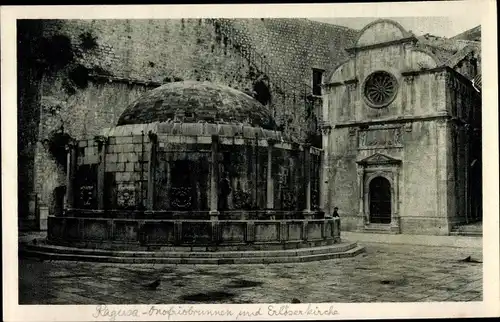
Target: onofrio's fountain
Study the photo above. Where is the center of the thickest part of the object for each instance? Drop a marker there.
(193, 172)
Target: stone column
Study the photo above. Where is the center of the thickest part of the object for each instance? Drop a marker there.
(153, 141)
(395, 201)
(364, 220)
(43, 218)
(214, 179)
(444, 157)
(324, 169)
(269, 178)
(307, 179)
(101, 148)
(70, 174)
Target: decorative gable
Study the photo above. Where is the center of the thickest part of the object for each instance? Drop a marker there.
(378, 158)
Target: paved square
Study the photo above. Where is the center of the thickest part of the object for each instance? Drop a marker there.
(385, 273)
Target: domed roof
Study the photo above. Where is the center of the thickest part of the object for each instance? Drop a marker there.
(194, 102)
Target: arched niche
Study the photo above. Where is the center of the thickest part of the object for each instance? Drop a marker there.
(345, 71)
(422, 59)
(381, 31)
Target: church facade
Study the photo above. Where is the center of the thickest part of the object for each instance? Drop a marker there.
(396, 117)
(401, 135)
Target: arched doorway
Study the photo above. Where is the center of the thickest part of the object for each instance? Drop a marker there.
(380, 201)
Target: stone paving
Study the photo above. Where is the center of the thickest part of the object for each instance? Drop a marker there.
(385, 273)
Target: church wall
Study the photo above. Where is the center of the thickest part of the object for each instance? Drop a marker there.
(463, 102)
(342, 181)
(388, 59)
(418, 94)
(422, 186)
(418, 178)
(426, 188)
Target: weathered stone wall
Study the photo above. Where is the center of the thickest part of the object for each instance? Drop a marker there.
(81, 115)
(343, 189)
(293, 47)
(423, 190)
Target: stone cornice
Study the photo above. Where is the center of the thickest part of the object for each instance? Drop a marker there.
(335, 84)
(399, 119)
(441, 69)
(426, 71)
(382, 44)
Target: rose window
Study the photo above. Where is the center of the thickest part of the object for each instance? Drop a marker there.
(380, 89)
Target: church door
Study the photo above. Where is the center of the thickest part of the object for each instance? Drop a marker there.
(380, 201)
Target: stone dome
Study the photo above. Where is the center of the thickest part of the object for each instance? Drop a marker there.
(196, 102)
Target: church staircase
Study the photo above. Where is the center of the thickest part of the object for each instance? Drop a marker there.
(471, 230)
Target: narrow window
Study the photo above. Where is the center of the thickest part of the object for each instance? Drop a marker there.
(317, 79)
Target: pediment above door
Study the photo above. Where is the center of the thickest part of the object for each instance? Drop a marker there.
(378, 158)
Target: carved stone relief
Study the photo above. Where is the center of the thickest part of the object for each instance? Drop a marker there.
(86, 195)
(380, 138)
(126, 196)
(181, 197)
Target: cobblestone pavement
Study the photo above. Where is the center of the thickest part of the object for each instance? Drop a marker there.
(385, 273)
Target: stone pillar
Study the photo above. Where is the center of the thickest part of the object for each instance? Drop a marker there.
(395, 219)
(153, 142)
(324, 169)
(33, 206)
(269, 178)
(43, 217)
(101, 148)
(364, 219)
(307, 179)
(70, 174)
(214, 179)
(443, 164)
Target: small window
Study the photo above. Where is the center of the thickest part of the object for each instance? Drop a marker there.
(317, 79)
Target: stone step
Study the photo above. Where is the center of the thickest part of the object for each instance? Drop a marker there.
(377, 230)
(467, 229)
(466, 233)
(53, 249)
(170, 260)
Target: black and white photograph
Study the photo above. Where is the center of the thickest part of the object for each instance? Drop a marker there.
(294, 162)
